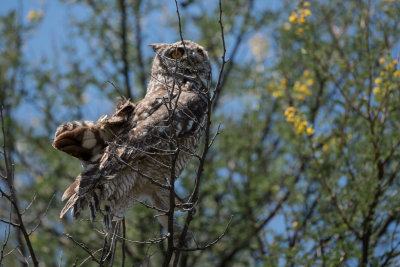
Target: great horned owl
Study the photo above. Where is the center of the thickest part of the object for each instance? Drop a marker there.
(128, 155)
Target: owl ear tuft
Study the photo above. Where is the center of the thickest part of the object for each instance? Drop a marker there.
(157, 46)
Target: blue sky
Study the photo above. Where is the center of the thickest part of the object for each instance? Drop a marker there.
(50, 31)
(48, 38)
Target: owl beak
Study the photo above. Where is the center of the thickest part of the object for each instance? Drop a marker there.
(157, 46)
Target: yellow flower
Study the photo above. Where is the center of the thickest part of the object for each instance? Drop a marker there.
(290, 118)
(310, 130)
(297, 122)
(306, 73)
(306, 4)
(305, 12)
(300, 31)
(277, 94)
(310, 82)
(290, 110)
(395, 62)
(31, 15)
(304, 89)
(34, 15)
(396, 74)
(300, 97)
(293, 17)
(378, 80)
(325, 147)
(376, 90)
(295, 223)
(296, 86)
(301, 127)
(284, 82)
(302, 19)
(389, 66)
(381, 60)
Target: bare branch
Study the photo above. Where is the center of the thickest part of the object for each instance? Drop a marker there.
(138, 45)
(83, 246)
(124, 51)
(43, 215)
(211, 243)
(148, 242)
(30, 204)
(12, 197)
(123, 241)
(9, 223)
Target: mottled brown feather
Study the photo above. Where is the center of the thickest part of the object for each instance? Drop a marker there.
(140, 135)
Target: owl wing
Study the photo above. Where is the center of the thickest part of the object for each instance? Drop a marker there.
(86, 140)
(144, 135)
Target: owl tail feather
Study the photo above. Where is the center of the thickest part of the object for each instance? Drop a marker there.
(107, 219)
(68, 206)
(77, 203)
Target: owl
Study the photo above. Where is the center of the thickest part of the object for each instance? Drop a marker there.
(128, 156)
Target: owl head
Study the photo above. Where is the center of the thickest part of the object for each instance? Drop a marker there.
(184, 61)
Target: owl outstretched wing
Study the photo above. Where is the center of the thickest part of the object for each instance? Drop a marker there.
(86, 140)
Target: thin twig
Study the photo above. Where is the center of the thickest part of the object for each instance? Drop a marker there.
(43, 215)
(138, 44)
(7, 232)
(172, 146)
(9, 223)
(194, 196)
(124, 50)
(83, 246)
(12, 196)
(123, 241)
(218, 86)
(211, 243)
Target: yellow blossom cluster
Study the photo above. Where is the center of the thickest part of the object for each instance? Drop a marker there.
(300, 16)
(278, 89)
(388, 72)
(301, 125)
(302, 87)
(35, 15)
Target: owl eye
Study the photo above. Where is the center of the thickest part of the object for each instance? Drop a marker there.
(200, 52)
(177, 53)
